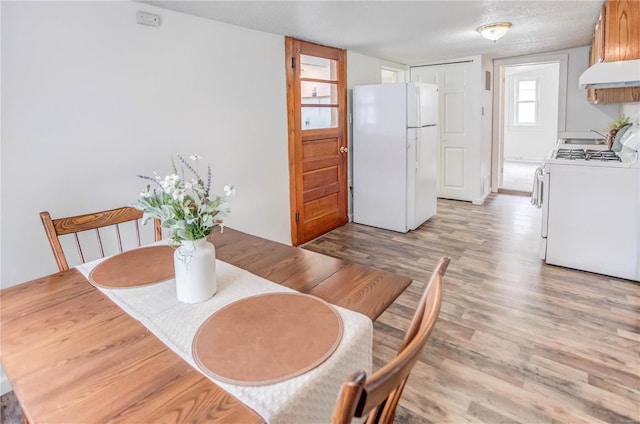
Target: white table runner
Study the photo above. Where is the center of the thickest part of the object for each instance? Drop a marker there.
(308, 398)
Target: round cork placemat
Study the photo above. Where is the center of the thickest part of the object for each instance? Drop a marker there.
(267, 338)
(134, 268)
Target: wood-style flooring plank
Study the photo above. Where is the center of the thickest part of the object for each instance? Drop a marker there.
(517, 341)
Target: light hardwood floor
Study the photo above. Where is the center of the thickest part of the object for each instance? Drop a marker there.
(517, 340)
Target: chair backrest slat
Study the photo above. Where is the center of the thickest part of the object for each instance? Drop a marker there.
(75, 236)
(54, 228)
(138, 232)
(118, 237)
(99, 243)
(379, 394)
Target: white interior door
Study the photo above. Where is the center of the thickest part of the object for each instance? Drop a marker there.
(455, 93)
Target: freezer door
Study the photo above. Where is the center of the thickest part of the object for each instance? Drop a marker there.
(422, 175)
(422, 104)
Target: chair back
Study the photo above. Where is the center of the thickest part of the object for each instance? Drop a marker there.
(54, 228)
(378, 395)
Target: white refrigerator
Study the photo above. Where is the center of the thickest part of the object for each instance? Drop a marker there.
(395, 154)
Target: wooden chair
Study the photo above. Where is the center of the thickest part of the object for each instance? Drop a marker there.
(378, 395)
(92, 221)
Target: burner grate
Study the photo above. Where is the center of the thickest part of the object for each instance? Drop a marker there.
(602, 155)
(581, 154)
(571, 154)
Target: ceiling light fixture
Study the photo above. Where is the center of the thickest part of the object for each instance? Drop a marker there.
(494, 32)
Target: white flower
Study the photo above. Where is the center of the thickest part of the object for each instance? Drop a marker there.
(229, 190)
(178, 195)
(170, 182)
(195, 157)
(184, 204)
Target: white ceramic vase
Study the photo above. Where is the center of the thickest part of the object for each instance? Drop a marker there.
(195, 266)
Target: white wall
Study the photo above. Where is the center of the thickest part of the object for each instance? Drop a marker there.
(486, 125)
(582, 115)
(578, 115)
(631, 110)
(532, 143)
(90, 99)
(478, 125)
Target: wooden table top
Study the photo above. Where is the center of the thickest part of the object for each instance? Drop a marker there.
(73, 356)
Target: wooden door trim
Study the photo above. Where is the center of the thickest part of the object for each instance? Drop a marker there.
(295, 132)
(293, 114)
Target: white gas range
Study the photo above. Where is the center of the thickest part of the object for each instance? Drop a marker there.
(590, 200)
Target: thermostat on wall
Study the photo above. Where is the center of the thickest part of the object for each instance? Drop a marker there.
(150, 19)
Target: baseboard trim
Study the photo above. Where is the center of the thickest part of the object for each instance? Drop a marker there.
(480, 200)
(514, 192)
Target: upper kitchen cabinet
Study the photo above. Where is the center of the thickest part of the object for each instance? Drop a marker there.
(622, 30)
(616, 37)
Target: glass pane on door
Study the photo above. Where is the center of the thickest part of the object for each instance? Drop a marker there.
(314, 118)
(317, 68)
(311, 92)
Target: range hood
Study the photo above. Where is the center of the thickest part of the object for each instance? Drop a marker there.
(625, 73)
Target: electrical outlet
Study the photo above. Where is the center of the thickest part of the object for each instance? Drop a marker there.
(150, 19)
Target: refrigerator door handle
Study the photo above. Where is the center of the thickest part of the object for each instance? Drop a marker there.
(419, 123)
(417, 149)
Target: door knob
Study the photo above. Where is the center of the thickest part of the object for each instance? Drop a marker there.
(343, 149)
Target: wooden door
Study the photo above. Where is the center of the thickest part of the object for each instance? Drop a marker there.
(316, 102)
(456, 135)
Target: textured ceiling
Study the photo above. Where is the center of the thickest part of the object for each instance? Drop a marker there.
(411, 32)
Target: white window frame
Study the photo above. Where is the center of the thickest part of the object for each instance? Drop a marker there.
(395, 73)
(398, 70)
(517, 102)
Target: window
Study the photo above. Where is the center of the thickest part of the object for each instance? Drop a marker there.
(391, 73)
(388, 76)
(526, 96)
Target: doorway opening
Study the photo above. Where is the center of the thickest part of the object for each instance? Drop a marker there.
(530, 99)
(529, 121)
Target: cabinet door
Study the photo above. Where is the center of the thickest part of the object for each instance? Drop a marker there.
(622, 30)
(591, 93)
(616, 37)
(596, 53)
(598, 37)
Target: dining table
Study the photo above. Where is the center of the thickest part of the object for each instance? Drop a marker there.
(72, 354)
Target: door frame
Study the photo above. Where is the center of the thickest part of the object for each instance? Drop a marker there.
(499, 94)
(295, 133)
